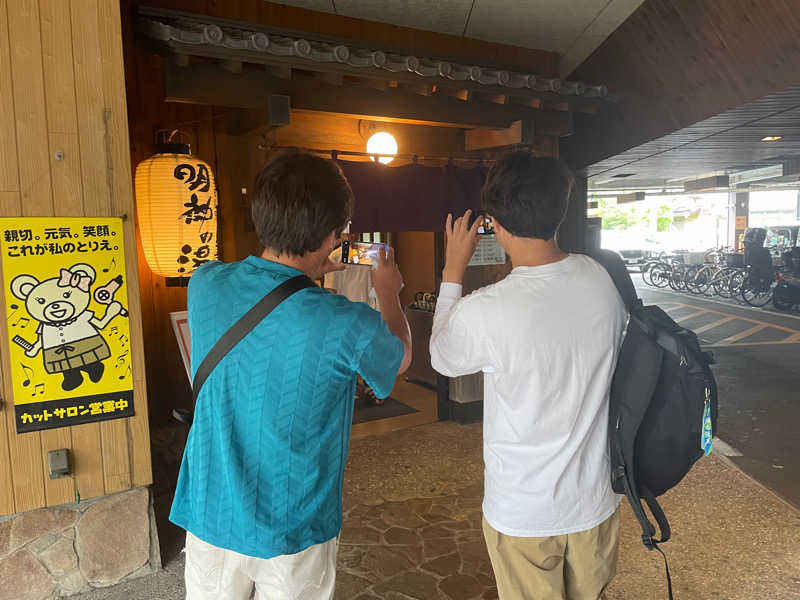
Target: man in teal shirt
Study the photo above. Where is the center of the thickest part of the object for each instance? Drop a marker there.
(260, 485)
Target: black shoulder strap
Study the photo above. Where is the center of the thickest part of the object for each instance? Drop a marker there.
(237, 332)
(620, 276)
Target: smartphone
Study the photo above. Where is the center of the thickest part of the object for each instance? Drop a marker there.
(361, 253)
(486, 227)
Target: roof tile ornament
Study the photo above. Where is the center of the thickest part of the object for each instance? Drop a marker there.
(192, 33)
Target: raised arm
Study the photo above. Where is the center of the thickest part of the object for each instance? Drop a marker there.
(387, 282)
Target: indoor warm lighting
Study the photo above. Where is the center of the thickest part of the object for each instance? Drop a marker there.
(176, 201)
(772, 138)
(382, 143)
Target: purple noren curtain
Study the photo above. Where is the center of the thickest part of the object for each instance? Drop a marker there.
(411, 197)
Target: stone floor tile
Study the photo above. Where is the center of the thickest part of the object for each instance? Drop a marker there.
(461, 587)
(348, 586)
(398, 536)
(385, 562)
(444, 565)
(415, 584)
(359, 534)
(436, 531)
(437, 547)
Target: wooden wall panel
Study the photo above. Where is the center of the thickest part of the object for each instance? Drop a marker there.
(62, 90)
(121, 189)
(34, 179)
(415, 259)
(9, 173)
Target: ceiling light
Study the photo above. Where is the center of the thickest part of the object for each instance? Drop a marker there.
(382, 143)
(772, 138)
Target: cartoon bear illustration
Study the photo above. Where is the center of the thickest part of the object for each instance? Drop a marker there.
(68, 333)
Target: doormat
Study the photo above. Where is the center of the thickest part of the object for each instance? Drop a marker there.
(364, 412)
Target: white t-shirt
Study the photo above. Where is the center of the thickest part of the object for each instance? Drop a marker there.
(547, 340)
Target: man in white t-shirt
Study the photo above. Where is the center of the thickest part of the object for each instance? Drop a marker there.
(546, 338)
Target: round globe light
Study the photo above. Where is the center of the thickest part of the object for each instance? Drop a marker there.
(382, 143)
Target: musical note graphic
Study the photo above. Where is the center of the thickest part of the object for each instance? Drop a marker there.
(123, 338)
(113, 263)
(25, 370)
(114, 329)
(125, 374)
(38, 388)
(121, 358)
(14, 308)
(24, 320)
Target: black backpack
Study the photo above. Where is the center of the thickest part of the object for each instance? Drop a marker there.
(662, 395)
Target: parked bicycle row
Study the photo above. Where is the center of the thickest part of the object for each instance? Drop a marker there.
(751, 277)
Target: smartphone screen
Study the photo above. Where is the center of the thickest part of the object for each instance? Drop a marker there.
(485, 227)
(361, 253)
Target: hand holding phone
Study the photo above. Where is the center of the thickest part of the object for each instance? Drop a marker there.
(386, 277)
(485, 224)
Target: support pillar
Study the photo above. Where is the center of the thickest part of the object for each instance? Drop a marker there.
(572, 234)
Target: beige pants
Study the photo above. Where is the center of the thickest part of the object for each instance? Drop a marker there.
(575, 566)
(214, 573)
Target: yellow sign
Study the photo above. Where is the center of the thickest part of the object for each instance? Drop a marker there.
(66, 301)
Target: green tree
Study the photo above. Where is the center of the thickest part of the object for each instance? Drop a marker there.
(664, 220)
(620, 217)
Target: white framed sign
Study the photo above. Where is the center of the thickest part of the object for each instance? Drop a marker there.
(488, 252)
(180, 325)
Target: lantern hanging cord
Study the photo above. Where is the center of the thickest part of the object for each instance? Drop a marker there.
(166, 135)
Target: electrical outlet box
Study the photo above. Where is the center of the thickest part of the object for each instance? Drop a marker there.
(58, 463)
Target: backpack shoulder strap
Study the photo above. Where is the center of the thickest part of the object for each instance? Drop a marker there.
(238, 331)
(619, 275)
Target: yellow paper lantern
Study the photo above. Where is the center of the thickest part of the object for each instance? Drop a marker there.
(176, 201)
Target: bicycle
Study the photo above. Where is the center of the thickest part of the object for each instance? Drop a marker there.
(757, 287)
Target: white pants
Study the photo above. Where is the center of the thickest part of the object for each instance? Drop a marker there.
(217, 574)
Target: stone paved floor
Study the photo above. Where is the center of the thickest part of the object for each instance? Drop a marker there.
(429, 548)
(412, 529)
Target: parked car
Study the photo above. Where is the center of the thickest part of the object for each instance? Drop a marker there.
(634, 247)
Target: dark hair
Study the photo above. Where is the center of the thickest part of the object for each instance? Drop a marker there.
(299, 199)
(528, 195)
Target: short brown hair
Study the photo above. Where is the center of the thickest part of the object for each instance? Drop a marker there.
(299, 199)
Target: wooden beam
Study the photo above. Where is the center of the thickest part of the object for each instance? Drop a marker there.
(280, 71)
(557, 123)
(330, 78)
(464, 94)
(233, 66)
(520, 132)
(211, 85)
(274, 113)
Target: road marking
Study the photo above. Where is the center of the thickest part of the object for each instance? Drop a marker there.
(691, 315)
(728, 304)
(739, 344)
(742, 334)
(725, 449)
(714, 324)
(746, 319)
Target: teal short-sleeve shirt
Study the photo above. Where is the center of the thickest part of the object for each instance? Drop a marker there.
(263, 468)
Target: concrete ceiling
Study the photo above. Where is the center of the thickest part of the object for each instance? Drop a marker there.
(730, 143)
(572, 28)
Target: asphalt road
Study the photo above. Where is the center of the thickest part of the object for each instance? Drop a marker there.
(758, 374)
